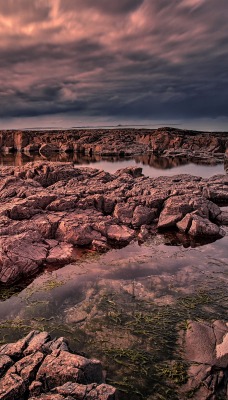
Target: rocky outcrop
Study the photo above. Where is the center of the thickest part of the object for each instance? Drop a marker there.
(37, 367)
(107, 142)
(206, 350)
(47, 209)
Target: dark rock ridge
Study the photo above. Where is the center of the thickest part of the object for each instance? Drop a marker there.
(38, 368)
(206, 350)
(168, 141)
(47, 209)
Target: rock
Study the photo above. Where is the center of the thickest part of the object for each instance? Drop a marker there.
(48, 396)
(120, 233)
(102, 392)
(88, 392)
(222, 218)
(5, 363)
(60, 367)
(135, 172)
(124, 213)
(143, 216)
(21, 255)
(94, 209)
(206, 348)
(15, 350)
(27, 367)
(185, 224)
(36, 342)
(12, 387)
(48, 148)
(100, 245)
(62, 253)
(76, 233)
(41, 368)
(35, 388)
(143, 234)
(175, 208)
(62, 204)
(117, 141)
(202, 227)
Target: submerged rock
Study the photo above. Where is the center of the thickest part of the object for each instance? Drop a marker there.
(206, 349)
(41, 368)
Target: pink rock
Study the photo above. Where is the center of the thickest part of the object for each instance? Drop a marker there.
(120, 233)
(12, 387)
(62, 253)
(61, 367)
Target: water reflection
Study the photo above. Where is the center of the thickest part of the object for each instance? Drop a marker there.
(125, 307)
(152, 165)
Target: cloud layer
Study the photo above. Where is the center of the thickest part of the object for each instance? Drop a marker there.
(123, 58)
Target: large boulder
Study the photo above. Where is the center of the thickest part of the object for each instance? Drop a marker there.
(205, 348)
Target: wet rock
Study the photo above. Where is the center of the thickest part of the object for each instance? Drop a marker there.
(206, 348)
(88, 392)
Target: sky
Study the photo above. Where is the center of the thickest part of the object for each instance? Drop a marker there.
(85, 62)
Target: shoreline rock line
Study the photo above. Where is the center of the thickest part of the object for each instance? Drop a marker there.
(47, 209)
(107, 142)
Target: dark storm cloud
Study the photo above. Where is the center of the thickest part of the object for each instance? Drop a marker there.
(109, 7)
(124, 58)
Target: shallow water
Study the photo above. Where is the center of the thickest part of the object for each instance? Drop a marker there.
(153, 166)
(126, 307)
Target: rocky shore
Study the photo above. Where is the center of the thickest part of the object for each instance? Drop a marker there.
(39, 368)
(124, 142)
(49, 209)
